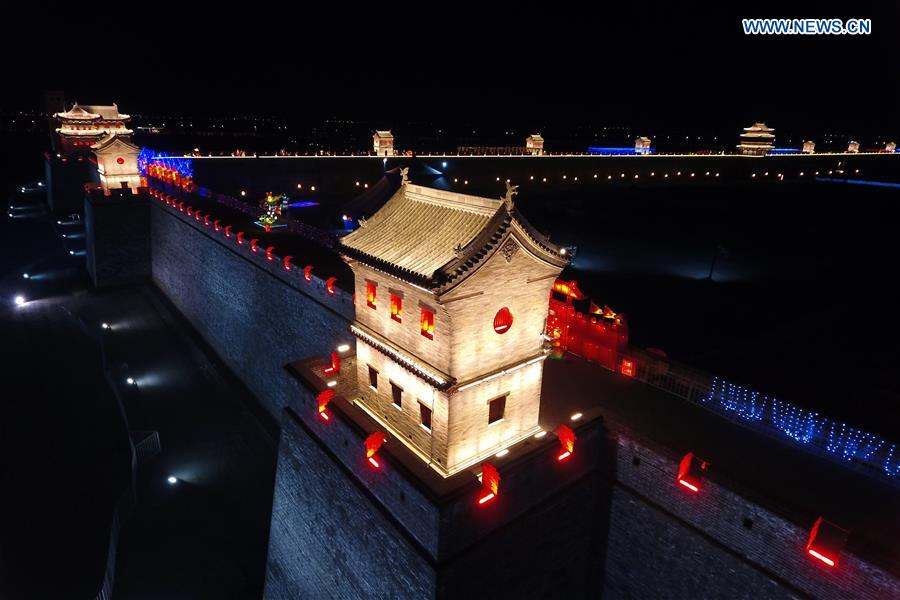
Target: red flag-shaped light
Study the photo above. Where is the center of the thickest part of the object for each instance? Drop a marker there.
(323, 399)
(490, 483)
(373, 443)
(335, 366)
(567, 441)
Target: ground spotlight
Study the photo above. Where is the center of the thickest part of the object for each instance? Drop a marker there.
(104, 325)
(172, 480)
(131, 381)
(20, 300)
(25, 275)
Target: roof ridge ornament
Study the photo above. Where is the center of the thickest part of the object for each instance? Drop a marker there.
(511, 190)
(404, 179)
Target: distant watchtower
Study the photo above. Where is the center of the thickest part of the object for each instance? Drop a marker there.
(81, 127)
(451, 302)
(757, 140)
(534, 144)
(383, 143)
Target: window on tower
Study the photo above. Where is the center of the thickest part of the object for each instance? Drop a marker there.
(396, 307)
(370, 293)
(425, 416)
(496, 409)
(397, 394)
(373, 377)
(428, 323)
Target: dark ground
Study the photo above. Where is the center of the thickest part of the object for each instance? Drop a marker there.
(64, 450)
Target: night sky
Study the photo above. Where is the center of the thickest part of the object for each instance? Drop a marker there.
(662, 66)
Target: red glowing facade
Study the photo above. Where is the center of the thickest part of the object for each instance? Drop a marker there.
(596, 334)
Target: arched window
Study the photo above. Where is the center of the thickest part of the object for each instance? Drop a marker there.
(503, 320)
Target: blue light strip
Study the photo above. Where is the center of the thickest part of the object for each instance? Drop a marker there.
(618, 150)
(859, 182)
(802, 426)
(784, 151)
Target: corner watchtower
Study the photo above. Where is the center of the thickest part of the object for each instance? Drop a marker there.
(451, 302)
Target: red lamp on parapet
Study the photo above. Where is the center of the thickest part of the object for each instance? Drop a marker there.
(335, 367)
(826, 540)
(690, 472)
(307, 272)
(373, 443)
(323, 399)
(490, 483)
(567, 441)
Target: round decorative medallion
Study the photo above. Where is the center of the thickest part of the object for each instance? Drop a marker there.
(503, 320)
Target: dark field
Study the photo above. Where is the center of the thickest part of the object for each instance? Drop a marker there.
(799, 301)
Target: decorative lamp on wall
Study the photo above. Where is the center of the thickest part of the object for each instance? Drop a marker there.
(567, 441)
(690, 472)
(490, 483)
(373, 444)
(826, 540)
(323, 399)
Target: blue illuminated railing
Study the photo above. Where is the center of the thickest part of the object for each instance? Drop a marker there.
(781, 420)
(618, 151)
(802, 426)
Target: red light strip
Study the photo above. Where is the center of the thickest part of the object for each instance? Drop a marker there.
(689, 486)
(374, 462)
(325, 416)
(821, 557)
(486, 497)
(564, 455)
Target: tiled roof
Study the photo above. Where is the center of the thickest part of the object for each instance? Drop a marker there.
(79, 113)
(110, 113)
(109, 139)
(434, 237)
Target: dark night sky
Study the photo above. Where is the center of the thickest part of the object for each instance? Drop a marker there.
(675, 63)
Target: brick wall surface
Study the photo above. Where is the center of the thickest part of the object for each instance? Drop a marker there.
(256, 315)
(668, 542)
(117, 232)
